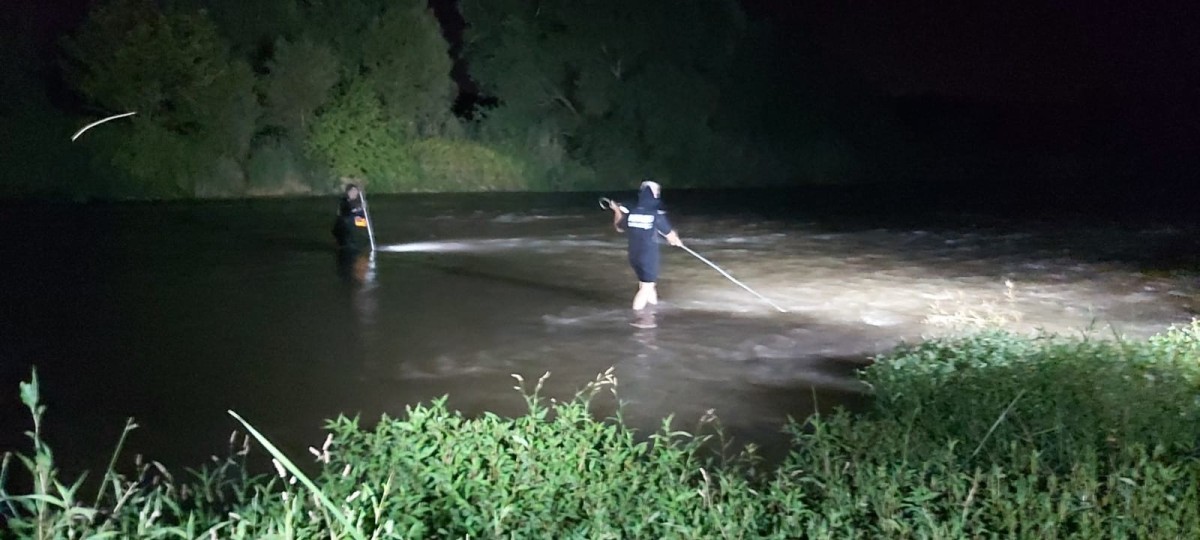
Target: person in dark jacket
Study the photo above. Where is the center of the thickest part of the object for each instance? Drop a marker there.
(350, 217)
(643, 224)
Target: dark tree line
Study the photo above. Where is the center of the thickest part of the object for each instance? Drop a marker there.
(252, 97)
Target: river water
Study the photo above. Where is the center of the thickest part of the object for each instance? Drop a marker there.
(175, 313)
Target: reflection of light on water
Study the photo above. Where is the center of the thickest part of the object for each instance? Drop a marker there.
(418, 247)
(905, 281)
(937, 285)
(368, 279)
(362, 274)
(531, 218)
(556, 245)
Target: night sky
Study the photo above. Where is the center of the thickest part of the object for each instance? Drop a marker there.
(1004, 50)
(1115, 75)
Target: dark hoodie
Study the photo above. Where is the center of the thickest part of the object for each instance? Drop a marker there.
(344, 226)
(643, 224)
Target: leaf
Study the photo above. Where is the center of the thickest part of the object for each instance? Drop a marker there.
(29, 392)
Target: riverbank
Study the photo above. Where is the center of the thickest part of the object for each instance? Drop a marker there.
(989, 434)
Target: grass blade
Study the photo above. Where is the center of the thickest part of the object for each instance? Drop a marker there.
(291, 467)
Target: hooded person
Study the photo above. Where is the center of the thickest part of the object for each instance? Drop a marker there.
(350, 217)
(642, 225)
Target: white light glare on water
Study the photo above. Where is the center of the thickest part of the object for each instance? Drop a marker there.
(427, 247)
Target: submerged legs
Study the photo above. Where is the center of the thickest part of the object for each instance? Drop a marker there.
(647, 294)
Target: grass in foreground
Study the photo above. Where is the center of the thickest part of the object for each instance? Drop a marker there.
(991, 435)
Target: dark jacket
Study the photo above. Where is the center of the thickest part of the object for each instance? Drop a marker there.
(348, 209)
(645, 221)
(643, 225)
(344, 226)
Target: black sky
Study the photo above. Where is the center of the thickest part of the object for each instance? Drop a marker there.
(1019, 50)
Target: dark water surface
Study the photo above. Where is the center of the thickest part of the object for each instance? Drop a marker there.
(174, 313)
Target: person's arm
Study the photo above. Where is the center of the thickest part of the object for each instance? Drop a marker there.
(618, 216)
(665, 229)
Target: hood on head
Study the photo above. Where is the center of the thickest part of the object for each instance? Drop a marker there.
(646, 198)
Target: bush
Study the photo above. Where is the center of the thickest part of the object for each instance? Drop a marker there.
(463, 165)
(1065, 397)
(999, 435)
(278, 167)
(991, 435)
(353, 135)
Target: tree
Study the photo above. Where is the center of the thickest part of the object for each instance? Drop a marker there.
(355, 137)
(407, 63)
(395, 91)
(627, 88)
(251, 27)
(196, 107)
(299, 79)
(37, 156)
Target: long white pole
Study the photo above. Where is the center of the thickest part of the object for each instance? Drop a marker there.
(731, 278)
(367, 214)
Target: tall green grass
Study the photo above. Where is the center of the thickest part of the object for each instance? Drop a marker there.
(987, 436)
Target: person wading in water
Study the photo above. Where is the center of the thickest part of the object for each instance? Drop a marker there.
(350, 217)
(642, 225)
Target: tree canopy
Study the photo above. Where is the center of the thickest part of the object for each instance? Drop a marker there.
(239, 97)
(621, 87)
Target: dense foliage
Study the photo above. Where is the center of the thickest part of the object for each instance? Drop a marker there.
(991, 435)
(620, 89)
(261, 97)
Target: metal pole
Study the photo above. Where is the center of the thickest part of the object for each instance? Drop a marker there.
(367, 214)
(731, 278)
